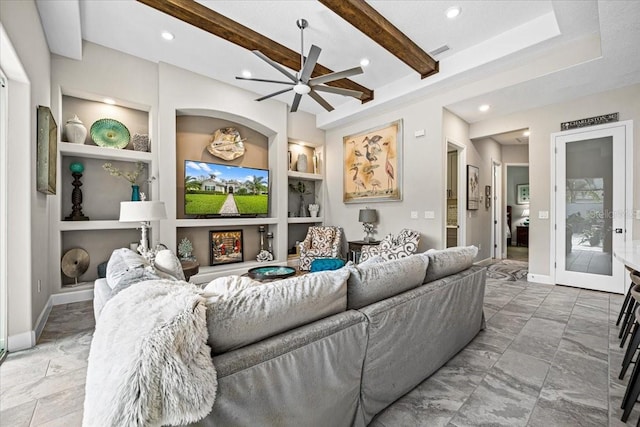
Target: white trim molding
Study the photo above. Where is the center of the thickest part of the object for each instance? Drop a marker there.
(22, 341)
(74, 296)
(540, 278)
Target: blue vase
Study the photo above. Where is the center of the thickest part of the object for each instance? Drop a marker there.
(135, 193)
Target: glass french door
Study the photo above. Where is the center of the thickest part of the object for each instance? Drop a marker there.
(590, 205)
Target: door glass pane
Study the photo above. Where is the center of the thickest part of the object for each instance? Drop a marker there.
(589, 206)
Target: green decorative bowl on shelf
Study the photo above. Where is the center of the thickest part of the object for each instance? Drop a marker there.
(110, 133)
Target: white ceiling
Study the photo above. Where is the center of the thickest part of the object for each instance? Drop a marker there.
(489, 36)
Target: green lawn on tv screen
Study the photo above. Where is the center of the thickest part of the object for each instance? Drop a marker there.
(209, 204)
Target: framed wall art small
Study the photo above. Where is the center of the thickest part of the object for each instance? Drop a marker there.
(226, 247)
(47, 151)
(473, 187)
(522, 194)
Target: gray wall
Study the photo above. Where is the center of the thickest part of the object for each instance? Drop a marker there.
(28, 209)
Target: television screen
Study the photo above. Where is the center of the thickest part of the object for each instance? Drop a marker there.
(224, 190)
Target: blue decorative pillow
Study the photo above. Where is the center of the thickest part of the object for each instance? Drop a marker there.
(322, 264)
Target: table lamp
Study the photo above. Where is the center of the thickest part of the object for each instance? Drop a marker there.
(367, 217)
(525, 215)
(143, 212)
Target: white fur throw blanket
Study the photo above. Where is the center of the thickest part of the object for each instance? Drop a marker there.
(149, 363)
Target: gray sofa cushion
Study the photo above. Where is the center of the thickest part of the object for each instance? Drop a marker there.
(413, 334)
(308, 376)
(373, 281)
(448, 261)
(261, 311)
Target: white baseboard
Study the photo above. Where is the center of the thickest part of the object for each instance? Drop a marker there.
(21, 341)
(44, 316)
(540, 278)
(73, 296)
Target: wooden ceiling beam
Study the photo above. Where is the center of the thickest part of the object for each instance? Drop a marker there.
(370, 22)
(219, 25)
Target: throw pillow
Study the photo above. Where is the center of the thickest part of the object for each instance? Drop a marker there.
(127, 267)
(371, 282)
(324, 264)
(258, 312)
(376, 259)
(167, 262)
(448, 261)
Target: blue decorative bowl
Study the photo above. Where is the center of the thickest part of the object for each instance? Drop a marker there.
(110, 133)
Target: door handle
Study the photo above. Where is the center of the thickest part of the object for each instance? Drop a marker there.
(618, 230)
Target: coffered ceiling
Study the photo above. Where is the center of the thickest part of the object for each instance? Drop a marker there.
(488, 37)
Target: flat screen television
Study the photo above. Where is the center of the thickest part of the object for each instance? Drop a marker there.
(212, 189)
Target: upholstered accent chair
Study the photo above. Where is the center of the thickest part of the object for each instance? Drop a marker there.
(393, 247)
(321, 242)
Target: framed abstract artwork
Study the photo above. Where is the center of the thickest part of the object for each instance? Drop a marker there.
(372, 164)
(47, 151)
(226, 247)
(473, 187)
(522, 194)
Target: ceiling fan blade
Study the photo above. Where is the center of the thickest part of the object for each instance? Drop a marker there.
(310, 63)
(320, 100)
(265, 80)
(274, 94)
(335, 76)
(339, 91)
(296, 102)
(275, 65)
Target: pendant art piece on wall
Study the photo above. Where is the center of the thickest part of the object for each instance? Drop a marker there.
(473, 187)
(372, 165)
(226, 144)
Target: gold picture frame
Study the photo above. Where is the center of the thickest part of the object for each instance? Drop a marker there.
(47, 155)
(373, 164)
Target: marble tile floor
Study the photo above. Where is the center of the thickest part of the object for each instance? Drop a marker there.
(548, 357)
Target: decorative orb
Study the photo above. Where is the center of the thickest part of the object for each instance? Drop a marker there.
(76, 167)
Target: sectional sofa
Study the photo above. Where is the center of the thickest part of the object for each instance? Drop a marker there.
(336, 348)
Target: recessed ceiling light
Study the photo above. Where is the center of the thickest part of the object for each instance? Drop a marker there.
(453, 12)
(526, 133)
(167, 35)
(246, 74)
(484, 107)
(109, 101)
(364, 62)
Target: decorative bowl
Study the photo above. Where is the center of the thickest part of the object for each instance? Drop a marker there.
(110, 133)
(272, 272)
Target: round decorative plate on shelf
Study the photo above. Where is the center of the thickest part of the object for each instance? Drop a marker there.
(110, 133)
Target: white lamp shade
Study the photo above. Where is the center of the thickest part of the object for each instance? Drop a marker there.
(525, 213)
(142, 211)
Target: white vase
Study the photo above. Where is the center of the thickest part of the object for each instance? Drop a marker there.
(76, 131)
(302, 162)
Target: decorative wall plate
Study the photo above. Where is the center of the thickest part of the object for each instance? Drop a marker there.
(75, 262)
(110, 133)
(226, 143)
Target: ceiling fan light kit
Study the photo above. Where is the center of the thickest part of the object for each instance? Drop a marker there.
(301, 83)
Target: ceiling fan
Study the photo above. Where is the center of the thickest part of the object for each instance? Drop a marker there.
(301, 83)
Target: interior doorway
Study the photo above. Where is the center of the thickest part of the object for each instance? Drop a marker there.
(455, 195)
(517, 211)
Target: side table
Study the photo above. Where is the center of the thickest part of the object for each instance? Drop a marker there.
(190, 268)
(355, 248)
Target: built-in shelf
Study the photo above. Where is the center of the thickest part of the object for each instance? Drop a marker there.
(305, 220)
(95, 152)
(97, 225)
(81, 286)
(224, 222)
(305, 175)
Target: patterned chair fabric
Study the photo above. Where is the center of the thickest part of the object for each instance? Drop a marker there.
(321, 242)
(393, 247)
